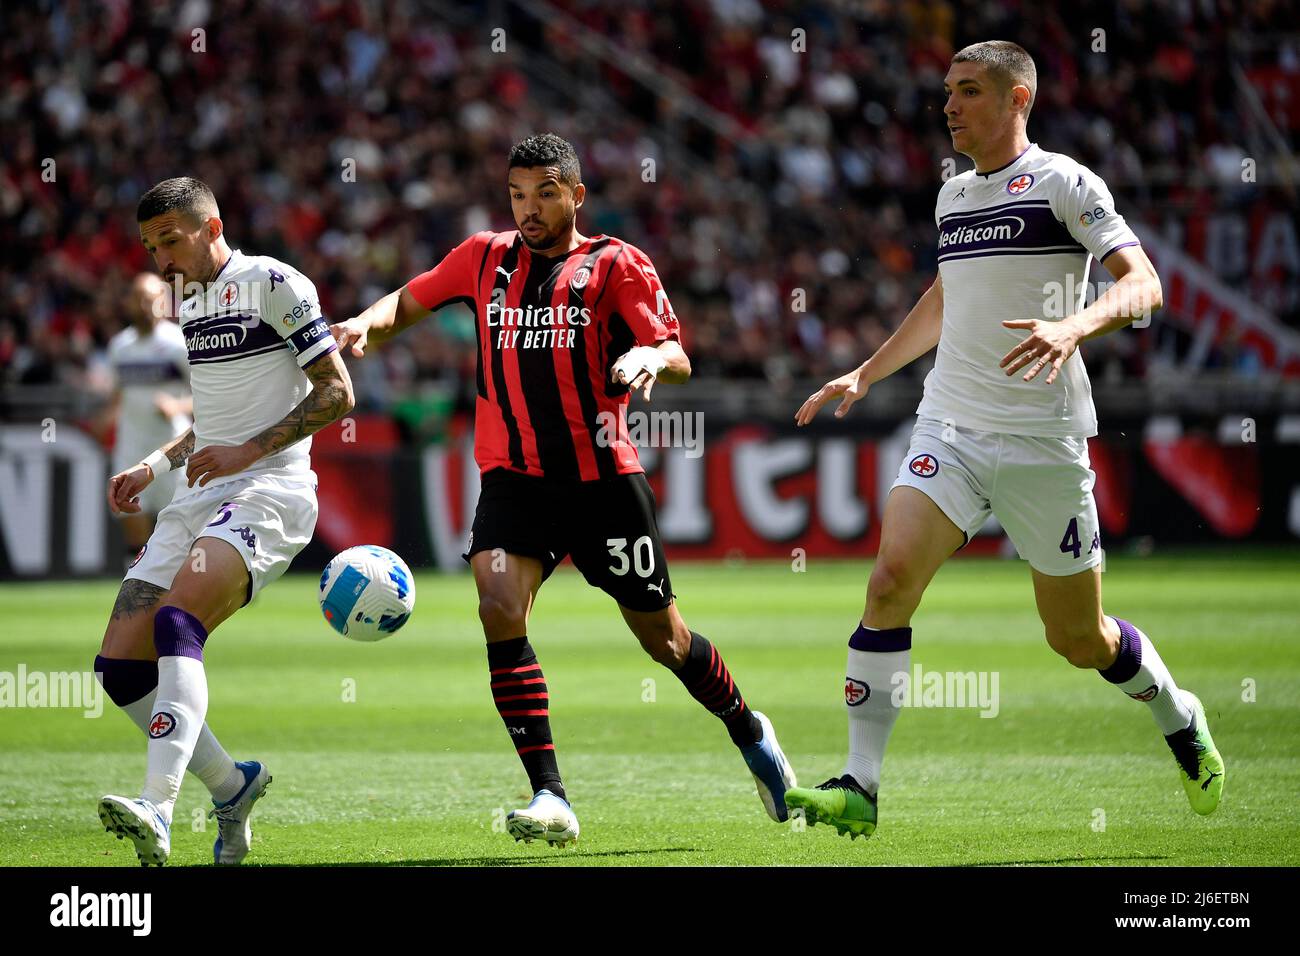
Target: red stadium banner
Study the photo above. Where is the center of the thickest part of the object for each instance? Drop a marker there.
(745, 489)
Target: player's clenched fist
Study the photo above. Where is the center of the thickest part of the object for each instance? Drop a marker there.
(124, 488)
(852, 387)
(353, 332)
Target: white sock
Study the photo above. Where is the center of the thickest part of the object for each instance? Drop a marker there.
(179, 707)
(871, 718)
(210, 762)
(1150, 682)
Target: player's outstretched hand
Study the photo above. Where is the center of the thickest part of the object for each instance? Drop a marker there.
(353, 332)
(1048, 343)
(852, 387)
(217, 461)
(124, 489)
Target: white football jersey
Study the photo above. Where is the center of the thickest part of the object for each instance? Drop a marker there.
(1017, 243)
(144, 365)
(249, 336)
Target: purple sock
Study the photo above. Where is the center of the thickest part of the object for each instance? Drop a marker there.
(1129, 659)
(178, 633)
(1139, 672)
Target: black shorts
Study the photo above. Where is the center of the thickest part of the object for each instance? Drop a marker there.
(607, 526)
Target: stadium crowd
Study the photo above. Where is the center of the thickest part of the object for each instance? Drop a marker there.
(361, 141)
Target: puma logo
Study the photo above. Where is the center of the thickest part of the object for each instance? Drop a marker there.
(1209, 780)
(655, 587)
(507, 274)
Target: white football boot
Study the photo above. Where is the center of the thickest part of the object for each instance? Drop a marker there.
(234, 832)
(773, 775)
(547, 817)
(142, 822)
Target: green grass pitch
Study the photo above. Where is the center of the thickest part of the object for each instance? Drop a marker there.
(392, 753)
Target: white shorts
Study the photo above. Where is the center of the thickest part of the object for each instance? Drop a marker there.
(268, 519)
(1040, 489)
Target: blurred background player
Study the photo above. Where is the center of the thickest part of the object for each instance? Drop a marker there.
(1022, 223)
(151, 399)
(568, 325)
(266, 375)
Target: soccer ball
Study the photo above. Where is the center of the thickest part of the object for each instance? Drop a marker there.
(367, 593)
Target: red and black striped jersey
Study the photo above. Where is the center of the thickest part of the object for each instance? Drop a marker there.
(549, 330)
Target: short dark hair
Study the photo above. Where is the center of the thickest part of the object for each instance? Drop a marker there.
(193, 197)
(547, 149)
(1008, 63)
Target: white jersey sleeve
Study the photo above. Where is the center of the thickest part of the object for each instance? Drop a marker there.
(291, 306)
(1087, 209)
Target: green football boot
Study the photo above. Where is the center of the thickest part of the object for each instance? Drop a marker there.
(840, 803)
(1199, 763)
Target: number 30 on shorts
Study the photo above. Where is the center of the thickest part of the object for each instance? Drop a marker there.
(642, 560)
(1070, 543)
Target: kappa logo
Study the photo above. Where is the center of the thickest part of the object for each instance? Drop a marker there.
(923, 466)
(580, 278)
(960, 195)
(161, 725)
(1146, 696)
(249, 537)
(855, 691)
(507, 274)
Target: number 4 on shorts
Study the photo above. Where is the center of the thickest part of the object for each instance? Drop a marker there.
(1071, 540)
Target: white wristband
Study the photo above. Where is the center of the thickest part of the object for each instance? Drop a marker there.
(643, 358)
(158, 463)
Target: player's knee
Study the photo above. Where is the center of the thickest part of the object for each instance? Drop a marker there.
(891, 583)
(124, 680)
(502, 616)
(1084, 647)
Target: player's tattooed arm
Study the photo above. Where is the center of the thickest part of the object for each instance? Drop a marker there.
(179, 448)
(135, 597)
(329, 400)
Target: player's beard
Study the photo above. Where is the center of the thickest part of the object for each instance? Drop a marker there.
(549, 237)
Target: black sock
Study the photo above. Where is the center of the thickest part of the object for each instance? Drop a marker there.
(519, 691)
(707, 679)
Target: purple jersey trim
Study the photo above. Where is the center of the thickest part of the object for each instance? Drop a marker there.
(333, 347)
(1132, 242)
